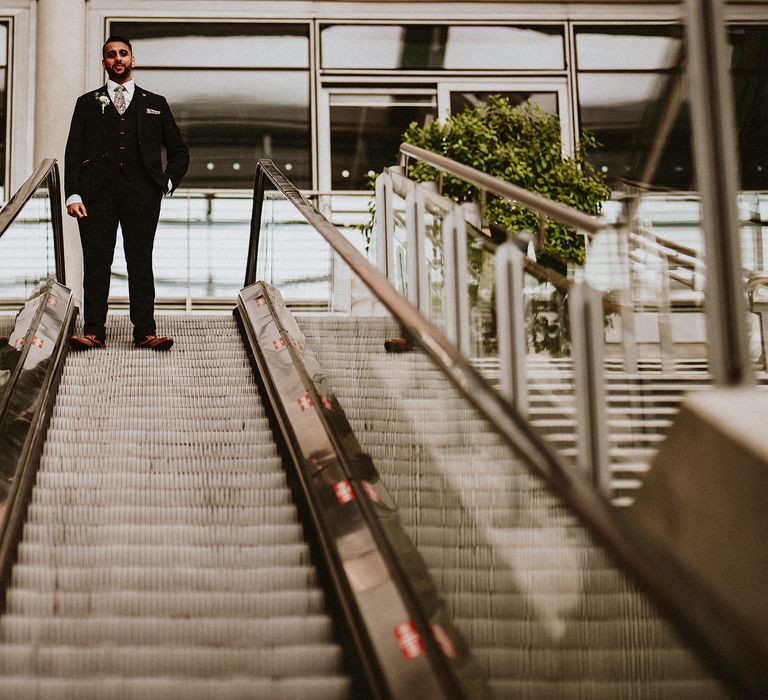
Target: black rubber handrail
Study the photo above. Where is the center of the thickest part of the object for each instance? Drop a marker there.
(729, 647)
(46, 174)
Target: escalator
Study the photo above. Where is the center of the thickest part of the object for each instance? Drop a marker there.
(162, 555)
(436, 549)
(544, 609)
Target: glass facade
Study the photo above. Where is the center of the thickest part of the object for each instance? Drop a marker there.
(240, 93)
(244, 90)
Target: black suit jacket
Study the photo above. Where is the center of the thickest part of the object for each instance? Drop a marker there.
(85, 160)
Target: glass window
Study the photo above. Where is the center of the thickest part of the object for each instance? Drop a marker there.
(217, 44)
(464, 99)
(749, 68)
(627, 80)
(239, 92)
(228, 129)
(608, 47)
(440, 47)
(367, 130)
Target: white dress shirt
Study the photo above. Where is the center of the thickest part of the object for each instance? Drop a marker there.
(130, 87)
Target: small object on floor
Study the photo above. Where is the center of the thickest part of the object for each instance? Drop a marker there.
(85, 342)
(154, 342)
(398, 345)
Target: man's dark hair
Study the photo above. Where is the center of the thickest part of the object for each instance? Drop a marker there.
(113, 38)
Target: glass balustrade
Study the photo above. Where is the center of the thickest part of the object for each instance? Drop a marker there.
(462, 492)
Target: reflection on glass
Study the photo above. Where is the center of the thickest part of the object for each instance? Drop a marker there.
(208, 44)
(230, 119)
(608, 47)
(749, 66)
(437, 47)
(366, 132)
(465, 99)
(628, 89)
(623, 111)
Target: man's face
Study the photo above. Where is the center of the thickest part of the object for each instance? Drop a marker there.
(118, 61)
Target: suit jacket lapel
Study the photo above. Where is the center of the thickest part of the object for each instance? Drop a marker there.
(141, 111)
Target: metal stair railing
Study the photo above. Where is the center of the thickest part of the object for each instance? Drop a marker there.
(724, 641)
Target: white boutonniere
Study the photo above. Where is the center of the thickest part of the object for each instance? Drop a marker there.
(103, 100)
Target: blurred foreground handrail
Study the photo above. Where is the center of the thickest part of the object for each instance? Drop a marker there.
(723, 640)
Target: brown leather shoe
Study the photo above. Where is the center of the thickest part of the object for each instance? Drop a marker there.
(85, 342)
(154, 342)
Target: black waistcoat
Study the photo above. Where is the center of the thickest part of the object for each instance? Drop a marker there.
(122, 142)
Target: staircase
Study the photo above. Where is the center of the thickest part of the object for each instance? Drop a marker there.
(545, 612)
(162, 556)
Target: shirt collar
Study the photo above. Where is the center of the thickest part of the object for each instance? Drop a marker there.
(129, 86)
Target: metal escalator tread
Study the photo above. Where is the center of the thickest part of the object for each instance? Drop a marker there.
(162, 556)
(544, 610)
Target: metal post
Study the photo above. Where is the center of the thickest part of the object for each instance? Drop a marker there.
(456, 284)
(253, 244)
(510, 325)
(717, 171)
(418, 288)
(587, 340)
(385, 226)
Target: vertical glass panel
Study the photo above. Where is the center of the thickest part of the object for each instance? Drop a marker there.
(201, 248)
(26, 250)
(217, 44)
(366, 131)
(230, 119)
(749, 70)
(439, 47)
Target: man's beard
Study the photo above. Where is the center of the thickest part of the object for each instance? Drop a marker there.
(120, 77)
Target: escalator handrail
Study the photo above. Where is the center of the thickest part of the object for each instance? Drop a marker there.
(723, 640)
(46, 173)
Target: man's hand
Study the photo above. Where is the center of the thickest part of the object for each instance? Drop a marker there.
(77, 209)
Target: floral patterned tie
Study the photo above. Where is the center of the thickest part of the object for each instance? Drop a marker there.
(120, 105)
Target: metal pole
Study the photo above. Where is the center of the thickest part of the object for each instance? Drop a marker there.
(586, 312)
(717, 171)
(510, 324)
(253, 244)
(418, 288)
(385, 226)
(450, 265)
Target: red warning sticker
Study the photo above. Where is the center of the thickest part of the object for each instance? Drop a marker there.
(344, 492)
(409, 640)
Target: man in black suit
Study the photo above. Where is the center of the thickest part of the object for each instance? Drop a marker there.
(114, 174)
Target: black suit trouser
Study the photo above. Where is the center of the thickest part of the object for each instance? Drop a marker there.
(135, 206)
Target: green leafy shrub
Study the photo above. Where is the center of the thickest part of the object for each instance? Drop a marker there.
(521, 145)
